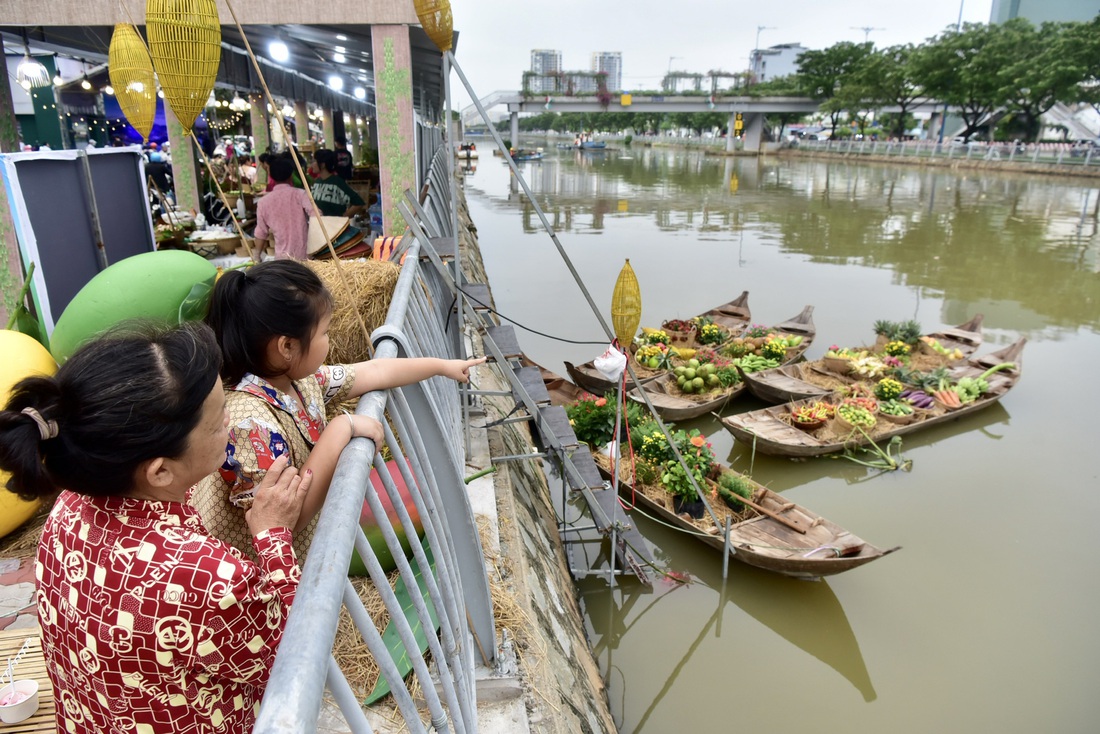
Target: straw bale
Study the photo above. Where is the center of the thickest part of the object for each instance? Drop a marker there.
(371, 283)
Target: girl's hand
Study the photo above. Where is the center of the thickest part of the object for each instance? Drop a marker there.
(364, 427)
(459, 369)
(279, 498)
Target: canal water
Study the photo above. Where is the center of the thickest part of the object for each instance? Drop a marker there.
(986, 620)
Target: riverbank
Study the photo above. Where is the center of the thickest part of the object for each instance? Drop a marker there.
(945, 162)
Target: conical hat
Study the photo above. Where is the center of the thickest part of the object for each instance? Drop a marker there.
(334, 226)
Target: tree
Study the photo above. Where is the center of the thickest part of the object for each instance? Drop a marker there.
(955, 68)
(1085, 42)
(1038, 68)
(824, 74)
(891, 77)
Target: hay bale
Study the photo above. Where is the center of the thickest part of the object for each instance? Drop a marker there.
(372, 283)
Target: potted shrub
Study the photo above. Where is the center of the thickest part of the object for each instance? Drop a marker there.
(699, 458)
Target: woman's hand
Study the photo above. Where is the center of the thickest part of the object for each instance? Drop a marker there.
(279, 498)
(459, 369)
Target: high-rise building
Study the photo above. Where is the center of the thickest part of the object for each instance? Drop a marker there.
(611, 63)
(1039, 11)
(544, 63)
(775, 61)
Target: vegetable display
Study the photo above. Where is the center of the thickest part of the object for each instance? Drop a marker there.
(918, 399)
(856, 415)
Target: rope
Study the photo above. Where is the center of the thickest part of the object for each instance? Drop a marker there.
(525, 328)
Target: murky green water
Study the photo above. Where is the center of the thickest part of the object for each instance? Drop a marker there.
(985, 621)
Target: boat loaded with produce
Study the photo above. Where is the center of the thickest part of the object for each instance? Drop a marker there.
(880, 403)
(821, 377)
(733, 317)
(766, 530)
(703, 380)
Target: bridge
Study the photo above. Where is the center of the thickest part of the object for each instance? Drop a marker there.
(751, 109)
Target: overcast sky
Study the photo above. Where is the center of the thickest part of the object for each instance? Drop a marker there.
(496, 36)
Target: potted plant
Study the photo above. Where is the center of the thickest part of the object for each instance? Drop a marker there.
(699, 458)
(709, 333)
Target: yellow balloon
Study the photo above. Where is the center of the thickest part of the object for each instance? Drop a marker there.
(23, 357)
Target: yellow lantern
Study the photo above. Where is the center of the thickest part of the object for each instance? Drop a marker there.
(435, 16)
(185, 42)
(131, 72)
(626, 306)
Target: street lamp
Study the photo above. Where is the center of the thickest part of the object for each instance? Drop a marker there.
(758, 29)
(670, 58)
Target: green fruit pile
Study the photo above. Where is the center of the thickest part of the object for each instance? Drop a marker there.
(696, 378)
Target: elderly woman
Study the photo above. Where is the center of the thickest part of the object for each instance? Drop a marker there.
(148, 623)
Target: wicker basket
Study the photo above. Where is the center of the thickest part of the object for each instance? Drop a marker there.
(839, 365)
(212, 248)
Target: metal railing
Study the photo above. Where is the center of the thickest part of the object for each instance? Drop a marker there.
(428, 452)
(1059, 154)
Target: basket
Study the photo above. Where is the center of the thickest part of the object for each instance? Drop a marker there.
(900, 420)
(212, 248)
(807, 427)
(846, 427)
(839, 365)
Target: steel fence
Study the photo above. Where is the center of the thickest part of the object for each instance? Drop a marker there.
(428, 450)
(1057, 154)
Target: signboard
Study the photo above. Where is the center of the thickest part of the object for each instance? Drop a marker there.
(738, 122)
(626, 100)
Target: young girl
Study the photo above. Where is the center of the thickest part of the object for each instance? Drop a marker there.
(148, 623)
(272, 323)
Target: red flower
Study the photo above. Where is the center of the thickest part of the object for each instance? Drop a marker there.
(698, 441)
(601, 402)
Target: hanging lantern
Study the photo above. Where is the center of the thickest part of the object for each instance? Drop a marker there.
(131, 72)
(626, 306)
(185, 43)
(435, 16)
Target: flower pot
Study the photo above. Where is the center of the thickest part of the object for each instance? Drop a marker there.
(839, 365)
(693, 508)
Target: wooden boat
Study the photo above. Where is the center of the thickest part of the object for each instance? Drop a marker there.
(527, 155)
(770, 431)
(467, 151)
(734, 316)
(817, 548)
(788, 382)
(673, 405)
(593, 145)
(785, 538)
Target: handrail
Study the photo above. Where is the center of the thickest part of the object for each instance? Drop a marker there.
(428, 450)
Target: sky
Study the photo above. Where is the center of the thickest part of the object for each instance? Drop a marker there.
(496, 36)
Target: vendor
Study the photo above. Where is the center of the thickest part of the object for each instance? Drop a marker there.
(333, 195)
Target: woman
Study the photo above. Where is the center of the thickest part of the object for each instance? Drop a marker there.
(148, 623)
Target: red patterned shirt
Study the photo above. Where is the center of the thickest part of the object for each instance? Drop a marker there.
(151, 626)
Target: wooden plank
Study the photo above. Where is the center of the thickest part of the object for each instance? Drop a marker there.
(586, 467)
(504, 337)
(443, 246)
(556, 420)
(530, 378)
(33, 665)
(479, 295)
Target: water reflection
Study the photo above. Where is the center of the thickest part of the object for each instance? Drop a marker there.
(807, 615)
(994, 240)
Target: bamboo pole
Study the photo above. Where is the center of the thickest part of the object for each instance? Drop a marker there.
(298, 165)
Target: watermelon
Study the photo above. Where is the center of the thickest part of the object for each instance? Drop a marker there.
(166, 286)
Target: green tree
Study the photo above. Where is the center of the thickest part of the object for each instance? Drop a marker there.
(890, 79)
(825, 73)
(955, 68)
(1038, 68)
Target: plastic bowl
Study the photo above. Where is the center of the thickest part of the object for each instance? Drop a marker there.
(26, 691)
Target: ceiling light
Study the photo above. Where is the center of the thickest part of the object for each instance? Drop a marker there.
(341, 49)
(160, 93)
(288, 111)
(336, 82)
(360, 93)
(111, 90)
(31, 71)
(85, 84)
(278, 51)
(339, 58)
